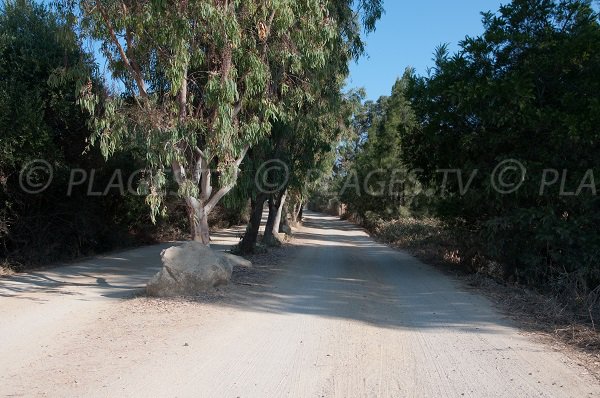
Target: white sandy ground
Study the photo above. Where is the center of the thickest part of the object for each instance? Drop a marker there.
(344, 317)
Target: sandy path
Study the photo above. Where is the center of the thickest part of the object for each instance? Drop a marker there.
(345, 317)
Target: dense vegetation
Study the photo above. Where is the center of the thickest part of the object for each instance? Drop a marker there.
(197, 96)
(39, 119)
(527, 89)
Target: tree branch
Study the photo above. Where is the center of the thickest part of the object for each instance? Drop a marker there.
(203, 176)
(224, 190)
(136, 74)
(237, 108)
(178, 172)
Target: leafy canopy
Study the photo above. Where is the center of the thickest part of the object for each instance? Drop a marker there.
(203, 80)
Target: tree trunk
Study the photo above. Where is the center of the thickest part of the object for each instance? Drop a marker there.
(285, 226)
(248, 243)
(199, 209)
(294, 214)
(277, 223)
(198, 221)
(270, 236)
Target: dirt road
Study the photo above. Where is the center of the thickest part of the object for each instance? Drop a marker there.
(343, 317)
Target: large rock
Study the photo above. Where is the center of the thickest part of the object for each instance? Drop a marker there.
(192, 268)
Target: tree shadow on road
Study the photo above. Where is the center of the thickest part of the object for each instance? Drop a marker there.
(333, 270)
(336, 271)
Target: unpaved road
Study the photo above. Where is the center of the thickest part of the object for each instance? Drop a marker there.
(344, 317)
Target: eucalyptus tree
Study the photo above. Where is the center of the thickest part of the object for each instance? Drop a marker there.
(274, 168)
(202, 81)
(308, 153)
(315, 155)
(308, 128)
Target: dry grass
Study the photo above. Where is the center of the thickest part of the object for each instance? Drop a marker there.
(5, 270)
(540, 313)
(544, 317)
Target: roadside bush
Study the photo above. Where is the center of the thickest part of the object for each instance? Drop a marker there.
(527, 89)
(40, 61)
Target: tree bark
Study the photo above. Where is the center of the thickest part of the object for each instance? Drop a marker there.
(277, 224)
(198, 221)
(284, 217)
(274, 219)
(248, 243)
(269, 237)
(294, 214)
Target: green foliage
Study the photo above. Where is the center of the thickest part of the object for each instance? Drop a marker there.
(35, 116)
(205, 80)
(40, 61)
(375, 157)
(301, 142)
(528, 89)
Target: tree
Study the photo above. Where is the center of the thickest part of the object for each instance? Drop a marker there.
(526, 89)
(308, 154)
(36, 116)
(374, 158)
(201, 82)
(303, 142)
(287, 160)
(40, 121)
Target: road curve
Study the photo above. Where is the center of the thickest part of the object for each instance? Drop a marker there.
(344, 317)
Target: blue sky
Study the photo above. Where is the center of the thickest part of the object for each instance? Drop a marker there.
(407, 35)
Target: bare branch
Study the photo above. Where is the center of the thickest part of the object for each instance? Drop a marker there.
(183, 98)
(237, 108)
(203, 175)
(136, 74)
(178, 172)
(224, 190)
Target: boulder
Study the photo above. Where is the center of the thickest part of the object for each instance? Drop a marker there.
(192, 268)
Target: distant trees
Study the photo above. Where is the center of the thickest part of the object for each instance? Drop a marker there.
(527, 89)
(377, 156)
